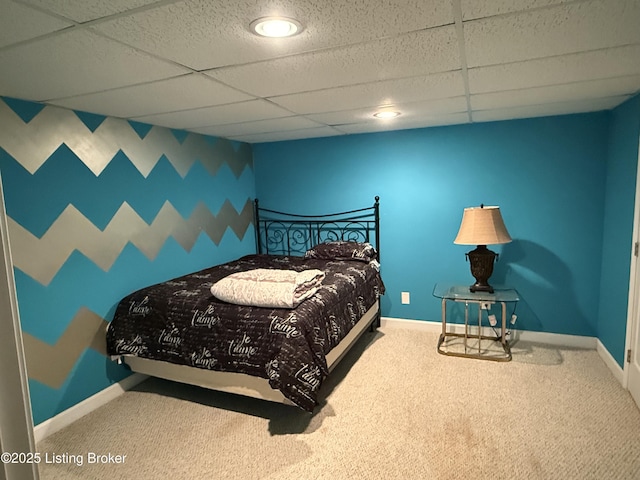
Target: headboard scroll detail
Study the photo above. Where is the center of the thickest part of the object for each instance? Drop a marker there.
(281, 233)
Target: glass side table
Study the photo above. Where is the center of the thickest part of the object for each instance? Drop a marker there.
(470, 344)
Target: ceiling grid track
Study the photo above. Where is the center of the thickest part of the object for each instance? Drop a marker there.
(457, 15)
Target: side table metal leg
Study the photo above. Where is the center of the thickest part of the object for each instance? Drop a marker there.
(466, 324)
(503, 338)
(444, 317)
(443, 335)
(479, 328)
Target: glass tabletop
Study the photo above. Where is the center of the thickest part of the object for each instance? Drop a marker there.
(462, 292)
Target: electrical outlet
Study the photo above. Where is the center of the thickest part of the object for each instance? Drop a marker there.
(406, 298)
(485, 305)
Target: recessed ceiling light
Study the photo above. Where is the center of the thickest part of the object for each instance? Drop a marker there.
(386, 114)
(276, 27)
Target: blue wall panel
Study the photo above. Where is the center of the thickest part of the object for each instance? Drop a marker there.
(546, 174)
(621, 176)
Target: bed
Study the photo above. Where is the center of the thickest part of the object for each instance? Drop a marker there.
(270, 325)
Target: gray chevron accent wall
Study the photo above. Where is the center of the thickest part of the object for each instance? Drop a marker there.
(98, 207)
(31, 144)
(41, 258)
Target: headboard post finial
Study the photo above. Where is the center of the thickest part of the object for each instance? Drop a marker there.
(376, 208)
(256, 224)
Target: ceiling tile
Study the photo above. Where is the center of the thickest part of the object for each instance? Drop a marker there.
(178, 93)
(40, 70)
(472, 9)
(399, 124)
(288, 135)
(412, 54)
(86, 10)
(440, 85)
(549, 109)
(203, 34)
(261, 126)
(219, 115)
(607, 63)
(557, 93)
(19, 23)
(194, 65)
(559, 30)
(409, 111)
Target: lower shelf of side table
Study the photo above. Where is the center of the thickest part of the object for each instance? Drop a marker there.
(471, 346)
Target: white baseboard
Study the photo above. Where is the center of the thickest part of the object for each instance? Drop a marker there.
(608, 359)
(63, 419)
(559, 339)
(424, 325)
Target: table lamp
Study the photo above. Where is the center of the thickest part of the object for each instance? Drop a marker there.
(482, 226)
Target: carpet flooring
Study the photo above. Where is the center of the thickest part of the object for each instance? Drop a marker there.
(393, 409)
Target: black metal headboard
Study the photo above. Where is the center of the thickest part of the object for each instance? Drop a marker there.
(280, 233)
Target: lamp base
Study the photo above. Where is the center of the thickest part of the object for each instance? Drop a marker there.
(481, 260)
(476, 287)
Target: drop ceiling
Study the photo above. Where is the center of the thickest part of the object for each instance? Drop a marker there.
(194, 64)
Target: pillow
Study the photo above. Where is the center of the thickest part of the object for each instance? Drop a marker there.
(363, 252)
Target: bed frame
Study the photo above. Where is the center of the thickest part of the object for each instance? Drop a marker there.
(279, 233)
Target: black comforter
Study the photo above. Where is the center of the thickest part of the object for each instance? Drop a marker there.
(179, 321)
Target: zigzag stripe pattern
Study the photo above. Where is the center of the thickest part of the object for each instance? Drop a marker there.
(42, 258)
(31, 144)
(51, 364)
(65, 180)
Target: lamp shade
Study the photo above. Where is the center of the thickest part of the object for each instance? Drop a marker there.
(482, 226)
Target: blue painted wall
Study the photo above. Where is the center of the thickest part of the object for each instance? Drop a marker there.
(621, 176)
(98, 207)
(546, 174)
